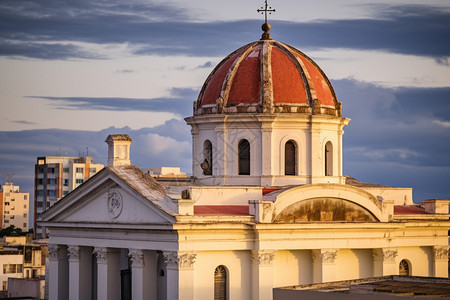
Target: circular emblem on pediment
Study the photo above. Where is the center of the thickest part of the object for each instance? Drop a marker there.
(115, 204)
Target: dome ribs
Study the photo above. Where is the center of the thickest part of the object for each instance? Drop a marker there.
(267, 76)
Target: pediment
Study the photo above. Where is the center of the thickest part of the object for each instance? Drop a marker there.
(109, 200)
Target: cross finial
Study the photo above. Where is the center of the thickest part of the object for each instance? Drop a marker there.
(266, 27)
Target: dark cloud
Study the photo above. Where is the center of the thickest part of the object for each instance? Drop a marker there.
(167, 30)
(393, 138)
(23, 122)
(409, 29)
(180, 102)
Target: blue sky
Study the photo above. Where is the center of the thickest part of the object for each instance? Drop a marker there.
(73, 72)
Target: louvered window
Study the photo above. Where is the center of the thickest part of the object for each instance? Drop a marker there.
(403, 268)
(220, 283)
(207, 164)
(244, 157)
(289, 158)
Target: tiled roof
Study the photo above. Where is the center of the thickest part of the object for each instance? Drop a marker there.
(409, 210)
(223, 210)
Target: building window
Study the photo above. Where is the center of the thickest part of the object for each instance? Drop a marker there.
(40, 204)
(6, 203)
(207, 158)
(220, 283)
(79, 170)
(6, 221)
(328, 159)
(66, 182)
(24, 206)
(24, 225)
(25, 197)
(244, 157)
(12, 268)
(51, 170)
(65, 170)
(403, 268)
(92, 170)
(6, 212)
(25, 215)
(65, 193)
(40, 193)
(79, 181)
(52, 193)
(290, 159)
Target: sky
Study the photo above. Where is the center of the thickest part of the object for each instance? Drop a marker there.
(73, 72)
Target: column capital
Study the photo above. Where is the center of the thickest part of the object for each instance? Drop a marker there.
(264, 257)
(325, 256)
(74, 253)
(386, 255)
(136, 257)
(54, 252)
(170, 259)
(101, 254)
(440, 252)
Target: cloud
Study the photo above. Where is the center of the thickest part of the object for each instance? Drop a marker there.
(51, 30)
(180, 102)
(442, 123)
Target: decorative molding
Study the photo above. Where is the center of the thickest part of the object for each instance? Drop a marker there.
(101, 254)
(440, 252)
(186, 260)
(54, 252)
(324, 256)
(170, 259)
(386, 255)
(136, 257)
(263, 257)
(182, 259)
(74, 253)
(389, 255)
(115, 203)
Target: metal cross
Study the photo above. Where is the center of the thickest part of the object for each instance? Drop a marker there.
(266, 9)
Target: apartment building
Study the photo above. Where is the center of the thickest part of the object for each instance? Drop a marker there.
(55, 177)
(14, 207)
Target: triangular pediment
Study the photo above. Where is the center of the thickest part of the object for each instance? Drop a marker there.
(111, 199)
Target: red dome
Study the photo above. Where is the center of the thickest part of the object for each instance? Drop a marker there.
(267, 76)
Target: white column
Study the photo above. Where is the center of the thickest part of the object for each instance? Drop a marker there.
(222, 163)
(324, 265)
(108, 273)
(262, 274)
(316, 152)
(80, 272)
(58, 272)
(267, 160)
(171, 261)
(440, 255)
(143, 272)
(384, 262)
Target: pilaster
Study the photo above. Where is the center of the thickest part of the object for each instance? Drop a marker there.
(186, 260)
(262, 274)
(172, 276)
(324, 261)
(440, 260)
(384, 261)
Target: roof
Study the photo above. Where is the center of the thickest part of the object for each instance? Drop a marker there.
(267, 76)
(382, 287)
(352, 181)
(223, 210)
(409, 210)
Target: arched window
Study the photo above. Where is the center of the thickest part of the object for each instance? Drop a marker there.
(220, 283)
(403, 268)
(207, 163)
(290, 159)
(328, 159)
(244, 157)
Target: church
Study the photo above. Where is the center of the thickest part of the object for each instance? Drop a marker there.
(267, 204)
